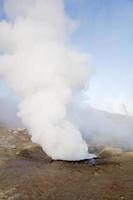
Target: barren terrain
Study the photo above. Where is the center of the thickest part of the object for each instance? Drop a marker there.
(27, 173)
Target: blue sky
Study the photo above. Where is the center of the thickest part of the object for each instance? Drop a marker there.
(105, 32)
(1, 10)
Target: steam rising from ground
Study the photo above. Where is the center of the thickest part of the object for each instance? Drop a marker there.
(38, 62)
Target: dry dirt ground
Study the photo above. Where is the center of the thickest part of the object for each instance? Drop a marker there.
(26, 173)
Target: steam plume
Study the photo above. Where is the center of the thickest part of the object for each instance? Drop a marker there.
(39, 64)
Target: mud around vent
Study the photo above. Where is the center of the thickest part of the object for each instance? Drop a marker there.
(27, 173)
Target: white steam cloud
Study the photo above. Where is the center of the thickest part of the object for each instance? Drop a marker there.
(39, 64)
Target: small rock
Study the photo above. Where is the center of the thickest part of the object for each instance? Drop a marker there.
(109, 152)
(129, 154)
(13, 147)
(96, 174)
(92, 162)
(15, 132)
(122, 198)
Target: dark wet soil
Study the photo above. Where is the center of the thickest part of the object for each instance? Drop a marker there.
(27, 173)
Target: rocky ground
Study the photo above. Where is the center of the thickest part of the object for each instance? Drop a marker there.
(27, 173)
